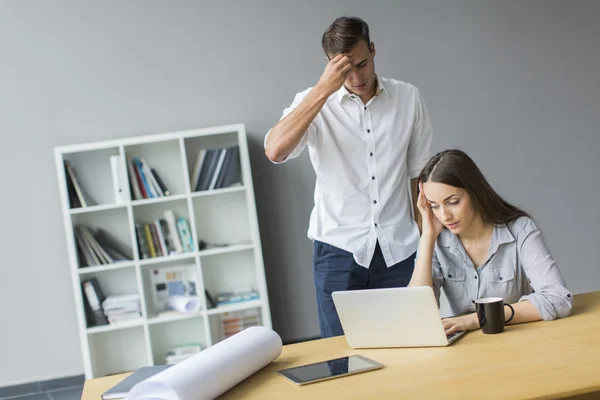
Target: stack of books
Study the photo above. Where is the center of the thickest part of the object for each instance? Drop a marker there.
(123, 308)
(183, 352)
(99, 248)
(236, 296)
(145, 182)
(235, 322)
(216, 168)
(164, 236)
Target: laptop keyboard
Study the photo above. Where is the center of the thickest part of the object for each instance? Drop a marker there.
(451, 338)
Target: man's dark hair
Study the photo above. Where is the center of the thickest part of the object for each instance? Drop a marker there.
(344, 34)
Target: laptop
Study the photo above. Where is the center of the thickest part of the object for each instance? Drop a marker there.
(394, 317)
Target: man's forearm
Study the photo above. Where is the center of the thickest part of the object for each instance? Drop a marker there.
(288, 132)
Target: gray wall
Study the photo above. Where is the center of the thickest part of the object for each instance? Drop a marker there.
(513, 83)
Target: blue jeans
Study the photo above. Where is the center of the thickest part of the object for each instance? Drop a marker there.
(335, 269)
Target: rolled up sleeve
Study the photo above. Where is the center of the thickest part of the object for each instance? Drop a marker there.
(420, 141)
(310, 132)
(551, 298)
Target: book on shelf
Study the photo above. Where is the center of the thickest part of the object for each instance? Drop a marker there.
(236, 321)
(182, 352)
(93, 296)
(78, 197)
(119, 178)
(99, 248)
(236, 296)
(164, 236)
(216, 168)
(122, 308)
(145, 182)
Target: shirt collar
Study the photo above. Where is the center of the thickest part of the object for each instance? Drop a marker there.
(501, 235)
(343, 92)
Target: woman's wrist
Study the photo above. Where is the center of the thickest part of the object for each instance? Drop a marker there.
(474, 322)
(428, 240)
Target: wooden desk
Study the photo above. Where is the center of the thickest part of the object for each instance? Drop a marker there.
(541, 360)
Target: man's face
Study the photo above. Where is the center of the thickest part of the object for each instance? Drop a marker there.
(361, 79)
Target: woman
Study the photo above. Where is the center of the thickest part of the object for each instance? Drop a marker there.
(476, 245)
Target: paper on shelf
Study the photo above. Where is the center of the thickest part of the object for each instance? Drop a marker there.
(185, 304)
(215, 370)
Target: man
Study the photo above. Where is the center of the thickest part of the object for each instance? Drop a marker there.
(366, 136)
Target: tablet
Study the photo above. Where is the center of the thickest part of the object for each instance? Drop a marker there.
(329, 369)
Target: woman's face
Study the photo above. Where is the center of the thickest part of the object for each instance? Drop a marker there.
(451, 205)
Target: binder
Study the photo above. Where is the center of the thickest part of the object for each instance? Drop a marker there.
(93, 295)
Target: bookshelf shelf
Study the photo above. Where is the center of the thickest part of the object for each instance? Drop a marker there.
(117, 265)
(158, 200)
(144, 220)
(218, 191)
(114, 327)
(164, 319)
(91, 209)
(224, 250)
(245, 305)
(168, 259)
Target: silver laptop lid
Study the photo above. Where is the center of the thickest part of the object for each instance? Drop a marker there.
(395, 317)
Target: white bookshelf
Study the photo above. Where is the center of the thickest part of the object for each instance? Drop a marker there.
(225, 215)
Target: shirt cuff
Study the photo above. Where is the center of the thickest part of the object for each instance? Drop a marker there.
(559, 306)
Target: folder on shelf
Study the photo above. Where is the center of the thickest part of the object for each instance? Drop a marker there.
(93, 298)
(119, 177)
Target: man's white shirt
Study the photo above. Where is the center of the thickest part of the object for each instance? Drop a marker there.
(364, 156)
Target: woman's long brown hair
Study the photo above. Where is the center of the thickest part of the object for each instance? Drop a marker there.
(456, 168)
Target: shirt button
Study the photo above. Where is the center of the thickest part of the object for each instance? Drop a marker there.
(374, 201)
(368, 131)
(375, 224)
(569, 295)
(449, 275)
(365, 107)
(475, 276)
(500, 278)
(373, 178)
(371, 154)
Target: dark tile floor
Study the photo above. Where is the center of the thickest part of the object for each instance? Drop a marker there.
(72, 393)
(69, 388)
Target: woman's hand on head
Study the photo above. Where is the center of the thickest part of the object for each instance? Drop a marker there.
(467, 322)
(432, 226)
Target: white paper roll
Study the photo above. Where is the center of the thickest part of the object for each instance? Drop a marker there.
(215, 370)
(185, 304)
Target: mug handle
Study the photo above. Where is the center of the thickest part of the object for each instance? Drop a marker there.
(512, 315)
